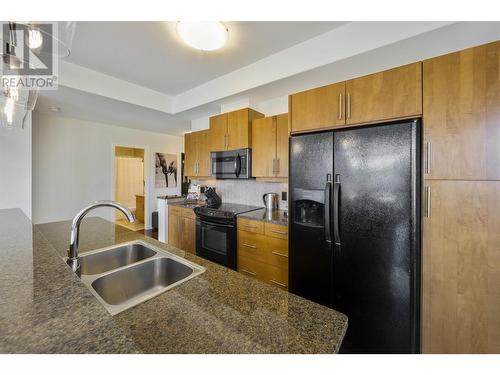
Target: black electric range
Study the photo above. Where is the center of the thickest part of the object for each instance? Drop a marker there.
(216, 229)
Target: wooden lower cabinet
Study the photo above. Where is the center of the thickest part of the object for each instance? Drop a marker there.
(188, 234)
(174, 229)
(261, 256)
(461, 267)
(182, 228)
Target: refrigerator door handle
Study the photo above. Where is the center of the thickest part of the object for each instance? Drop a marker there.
(328, 195)
(336, 209)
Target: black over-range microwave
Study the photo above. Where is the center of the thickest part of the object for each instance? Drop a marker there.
(235, 164)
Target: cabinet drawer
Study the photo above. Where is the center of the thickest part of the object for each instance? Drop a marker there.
(276, 230)
(277, 252)
(250, 267)
(277, 276)
(252, 245)
(174, 210)
(188, 213)
(249, 225)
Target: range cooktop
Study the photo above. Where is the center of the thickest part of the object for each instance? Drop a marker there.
(225, 210)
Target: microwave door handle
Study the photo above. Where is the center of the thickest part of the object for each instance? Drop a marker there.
(237, 165)
(336, 210)
(328, 194)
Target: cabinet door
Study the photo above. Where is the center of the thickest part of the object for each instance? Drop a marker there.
(174, 230)
(190, 154)
(387, 95)
(238, 130)
(204, 160)
(282, 145)
(461, 268)
(462, 114)
(318, 108)
(218, 132)
(188, 235)
(263, 147)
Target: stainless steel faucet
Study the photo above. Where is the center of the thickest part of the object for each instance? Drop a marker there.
(73, 260)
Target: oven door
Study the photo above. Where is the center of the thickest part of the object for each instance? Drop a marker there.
(216, 242)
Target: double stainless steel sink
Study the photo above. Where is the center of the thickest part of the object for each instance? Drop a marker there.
(125, 275)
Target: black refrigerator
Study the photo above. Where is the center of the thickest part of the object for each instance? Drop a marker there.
(355, 231)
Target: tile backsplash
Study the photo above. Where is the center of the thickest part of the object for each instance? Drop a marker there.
(246, 191)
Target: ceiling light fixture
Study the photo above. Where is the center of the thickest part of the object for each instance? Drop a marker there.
(54, 109)
(205, 36)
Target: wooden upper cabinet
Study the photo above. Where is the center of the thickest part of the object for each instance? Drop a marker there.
(282, 134)
(232, 130)
(461, 268)
(239, 128)
(218, 132)
(318, 108)
(197, 155)
(270, 146)
(204, 159)
(191, 154)
(462, 114)
(263, 147)
(387, 95)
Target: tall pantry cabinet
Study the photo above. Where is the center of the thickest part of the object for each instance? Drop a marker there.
(461, 205)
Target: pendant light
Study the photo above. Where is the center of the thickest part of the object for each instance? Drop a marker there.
(55, 38)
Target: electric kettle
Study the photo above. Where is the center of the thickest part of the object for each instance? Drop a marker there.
(271, 201)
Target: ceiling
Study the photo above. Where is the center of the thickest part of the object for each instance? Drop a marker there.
(151, 54)
(118, 75)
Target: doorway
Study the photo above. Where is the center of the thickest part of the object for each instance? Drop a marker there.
(129, 185)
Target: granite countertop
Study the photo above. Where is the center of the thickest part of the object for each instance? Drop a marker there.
(45, 308)
(275, 216)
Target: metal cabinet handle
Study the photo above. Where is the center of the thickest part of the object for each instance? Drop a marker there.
(250, 273)
(428, 156)
(248, 245)
(348, 105)
(277, 166)
(248, 226)
(279, 254)
(278, 283)
(340, 106)
(427, 201)
(278, 231)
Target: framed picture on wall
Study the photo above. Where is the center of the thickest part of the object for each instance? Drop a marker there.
(165, 170)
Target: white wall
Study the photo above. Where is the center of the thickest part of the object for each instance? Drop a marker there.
(15, 168)
(73, 165)
(201, 123)
(273, 107)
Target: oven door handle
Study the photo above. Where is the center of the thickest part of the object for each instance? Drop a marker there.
(216, 224)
